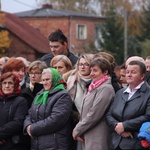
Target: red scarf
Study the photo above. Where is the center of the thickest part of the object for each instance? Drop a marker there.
(97, 83)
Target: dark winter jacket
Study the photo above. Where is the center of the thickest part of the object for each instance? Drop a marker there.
(13, 110)
(132, 113)
(50, 124)
(29, 95)
(48, 57)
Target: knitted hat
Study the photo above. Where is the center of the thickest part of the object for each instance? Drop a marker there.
(145, 132)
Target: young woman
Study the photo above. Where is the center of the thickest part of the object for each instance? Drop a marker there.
(77, 85)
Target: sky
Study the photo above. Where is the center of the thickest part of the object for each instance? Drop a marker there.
(13, 6)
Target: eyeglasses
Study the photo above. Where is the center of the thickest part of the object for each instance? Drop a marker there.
(84, 64)
(9, 83)
(35, 73)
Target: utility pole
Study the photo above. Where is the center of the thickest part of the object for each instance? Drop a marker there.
(125, 35)
(0, 5)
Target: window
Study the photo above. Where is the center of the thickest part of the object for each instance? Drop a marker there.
(81, 32)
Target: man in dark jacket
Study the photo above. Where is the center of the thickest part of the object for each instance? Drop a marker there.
(59, 46)
(147, 63)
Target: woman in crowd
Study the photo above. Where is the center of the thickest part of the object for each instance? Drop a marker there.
(13, 109)
(79, 80)
(77, 85)
(48, 121)
(35, 73)
(114, 79)
(18, 67)
(92, 129)
(131, 108)
(62, 63)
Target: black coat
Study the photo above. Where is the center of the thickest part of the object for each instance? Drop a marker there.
(29, 95)
(50, 124)
(132, 113)
(13, 110)
(48, 57)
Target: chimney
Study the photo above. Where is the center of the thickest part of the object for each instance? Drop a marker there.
(47, 6)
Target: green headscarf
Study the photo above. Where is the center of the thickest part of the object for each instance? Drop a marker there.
(56, 84)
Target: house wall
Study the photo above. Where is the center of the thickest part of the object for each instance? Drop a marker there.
(20, 49)
(68, 26)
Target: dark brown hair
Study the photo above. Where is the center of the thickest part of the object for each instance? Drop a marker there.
(102, 63)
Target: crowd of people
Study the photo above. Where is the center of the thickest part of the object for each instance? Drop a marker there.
(65, 102)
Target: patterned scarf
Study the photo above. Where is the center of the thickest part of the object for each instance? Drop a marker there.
(57, 83)
(97, 83)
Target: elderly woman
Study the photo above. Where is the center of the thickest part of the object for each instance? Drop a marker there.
(48, 122)
(92, 129)
(130, 109)
(13, 109)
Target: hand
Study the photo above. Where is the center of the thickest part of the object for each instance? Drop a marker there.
(126, 134)
(28, 131)
(119, 128)
(2, 142)
(78, 138)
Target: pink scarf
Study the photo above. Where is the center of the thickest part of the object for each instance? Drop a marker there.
(97, 83)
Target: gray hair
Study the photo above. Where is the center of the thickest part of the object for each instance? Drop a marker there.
(47, 70)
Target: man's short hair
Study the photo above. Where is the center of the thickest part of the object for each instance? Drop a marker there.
(58, 36)
(140, 64)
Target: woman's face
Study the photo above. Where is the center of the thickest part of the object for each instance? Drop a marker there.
(46, 80)
(133, 75)
(8, 85)
(96, 73)
(35, 76)
(19, 73)
(84, 67)
(60, 66)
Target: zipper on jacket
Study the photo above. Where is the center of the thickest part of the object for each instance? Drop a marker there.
(56, 141)
(4, 101)
(37, 110)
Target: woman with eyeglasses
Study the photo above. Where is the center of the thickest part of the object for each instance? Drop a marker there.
(77, 85)
(13, 109)
(92, 130)
(35, 73)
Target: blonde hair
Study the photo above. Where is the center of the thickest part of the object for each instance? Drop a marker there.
(62, 58)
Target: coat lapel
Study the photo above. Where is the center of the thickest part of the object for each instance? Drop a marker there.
(125, 96)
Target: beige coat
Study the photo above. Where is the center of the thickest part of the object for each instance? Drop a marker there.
(92, 125)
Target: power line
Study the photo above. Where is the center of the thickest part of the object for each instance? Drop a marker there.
(24, 4)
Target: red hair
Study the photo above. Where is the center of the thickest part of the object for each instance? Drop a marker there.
(14, 64)
(15, 79)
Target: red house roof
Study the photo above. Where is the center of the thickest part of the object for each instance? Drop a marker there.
(26, 33)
